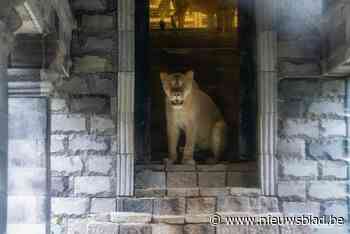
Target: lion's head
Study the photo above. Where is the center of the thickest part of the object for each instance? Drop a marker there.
(177, 86)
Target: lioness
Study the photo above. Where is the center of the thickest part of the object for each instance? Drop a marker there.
(191, 110)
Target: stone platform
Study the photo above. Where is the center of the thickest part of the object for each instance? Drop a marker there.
(193, 180)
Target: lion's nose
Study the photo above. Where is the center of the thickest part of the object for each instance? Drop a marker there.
(177, 94)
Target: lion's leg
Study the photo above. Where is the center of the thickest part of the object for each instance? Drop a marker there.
(173, 137)
(218, 140)
(190, 144)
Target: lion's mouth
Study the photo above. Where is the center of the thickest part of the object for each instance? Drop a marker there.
(177, 103)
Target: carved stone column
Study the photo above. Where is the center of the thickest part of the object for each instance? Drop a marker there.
(266, 12)
(6, 42)
(125, 98)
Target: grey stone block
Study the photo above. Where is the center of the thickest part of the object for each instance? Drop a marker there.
(58, 105)
(66, 166)
(57, 143)
(334, 229)
(334, 169)
(77, 226)
(334, 149)
(229, 229)
(62, 123)
(291, 148)
(139, 229)
(319, 108)
(290, 109)
(79, 143)
(300, 127)
(200, 206)
(299, 168)
(27, 209)
(180, 167)
(166, 228)
(169, 206)
(327, 190)
(102, 124)
(150, 192)
(216, 167)
(27, 228)
(199, 229)
(333, 88)
(292, 189)
(89, 5)
(92, 64)
(267, 204)
(233, 204)
(94, 45)
(242, 179)
(181, 179)
(183, 192)
(99, 228)
(299, 89)
(291, 68)
(336, 208)
(333, 128)
(97, 23)
(214, 191)
(300, 208)
(150, 179)
(90, 104)
(72, 206)
(99, 165)
(93, 186)
(140, 205)
(59, 185)
(103, 205)
(212, 179)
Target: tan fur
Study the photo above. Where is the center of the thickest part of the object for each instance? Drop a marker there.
(190, 110)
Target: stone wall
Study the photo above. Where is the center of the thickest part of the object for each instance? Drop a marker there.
(312, 150)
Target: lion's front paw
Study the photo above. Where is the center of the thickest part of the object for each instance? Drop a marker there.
(189, 162)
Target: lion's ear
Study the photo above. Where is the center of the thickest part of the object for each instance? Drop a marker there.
(189, 75)
(163, 76)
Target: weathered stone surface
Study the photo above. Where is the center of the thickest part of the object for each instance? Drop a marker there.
(245, 191)
(102, 124)
(57, 143)
(97, 23)
(341, 229)
(229, 229)
(324, 107)
(69, 206)
(327, 190)
(79, 143)
(150, 179)
(214, 191)
(202, 205)
(169, 206)
(28, 153)
(139, 229)
(89, 5)
(141, 205)
(291, 148)
(93, 186)
(99, 228)
(299, 168)
(291, 68)
(266, 204)
(94, 45)
(334, 149)
(293, 189)
(97, 105)
(91, 64)
(77, 226)
(67, 123)
(65, 166)
(212, 179)
(199, 229)
(333, 88)
(233, 204)
(103, 205)
(130, 217)
(58, 105)
(182, 192)
(242, 179)
(301, 89)
(59, 185)
(300, 127)
(168, 229)
(334, 169)
(336, 208)
(181, 179)
(180, 167)
(291, 108)
(333, 128)
(99, 165)
(299, 208)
